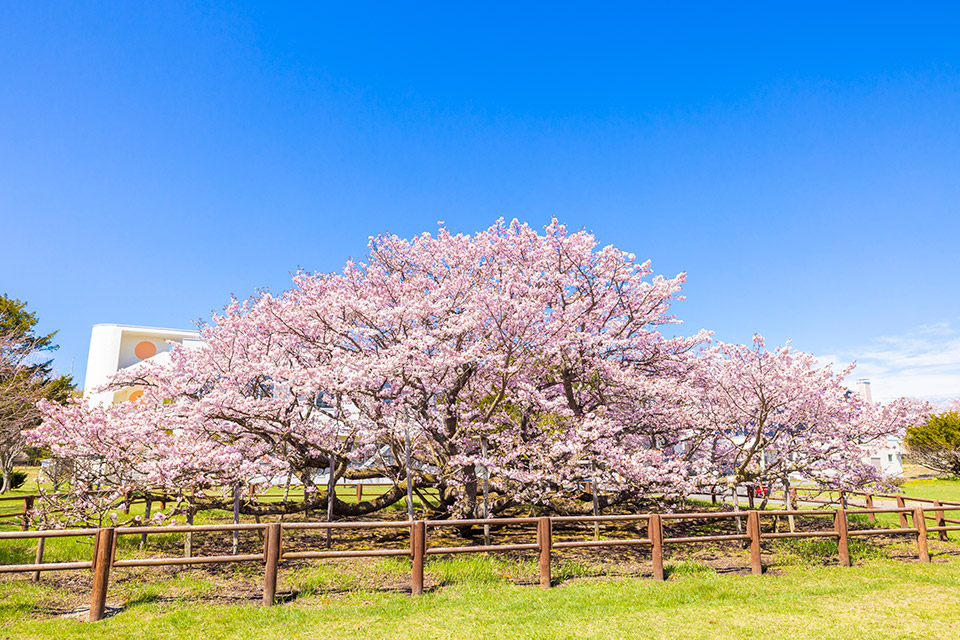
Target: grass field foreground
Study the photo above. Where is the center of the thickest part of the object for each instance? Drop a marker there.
(804, 595)
(884, 598)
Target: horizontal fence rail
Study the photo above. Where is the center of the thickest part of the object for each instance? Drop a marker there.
(655, 529)
(24, 515)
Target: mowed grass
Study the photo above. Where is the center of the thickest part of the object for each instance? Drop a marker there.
(933, 489)
(881, 598)
(804, 595)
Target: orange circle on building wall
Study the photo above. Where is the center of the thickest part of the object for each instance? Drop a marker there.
(135, 395)
(145, 350)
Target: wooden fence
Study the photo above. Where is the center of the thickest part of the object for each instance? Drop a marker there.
(24, 515)
(658, 529)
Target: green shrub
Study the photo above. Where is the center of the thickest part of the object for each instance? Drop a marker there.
(17, 479)
(936, 444)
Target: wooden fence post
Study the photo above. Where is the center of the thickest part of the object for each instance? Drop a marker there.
(332, 497)
(41, 543)
(418, 547)
(735, 496)
(871, 517)
(271, 553)
(921, 525)
(545, 541)
(188, 537)
(102, 559)
(236, 517)
(793, 499)
(655, 533)
(791, 520)
(596, 506)
(941, 521)
(843, 543)
(96, 545)
(27, 508)
(147, 511)
(753, 530)
(903, 515)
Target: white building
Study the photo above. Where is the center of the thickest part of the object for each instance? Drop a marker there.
(117, 346)
(887, 459)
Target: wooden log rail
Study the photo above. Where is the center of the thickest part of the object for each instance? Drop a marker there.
(189, 531)
(105, 539)
(41, 537)
(866, 495)
(901, 500)
(24, 515)
(493, 522)
(353, 553)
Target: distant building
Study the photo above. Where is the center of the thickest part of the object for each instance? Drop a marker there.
(117, 346)
(887, 459)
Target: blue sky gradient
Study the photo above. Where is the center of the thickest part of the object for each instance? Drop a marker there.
(801, 162)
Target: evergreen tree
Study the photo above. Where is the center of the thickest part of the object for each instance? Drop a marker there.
(26, 376)
(936, 444)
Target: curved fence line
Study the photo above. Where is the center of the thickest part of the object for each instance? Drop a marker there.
(541, 529)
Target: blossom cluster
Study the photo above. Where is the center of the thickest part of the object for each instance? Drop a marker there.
(536, 361)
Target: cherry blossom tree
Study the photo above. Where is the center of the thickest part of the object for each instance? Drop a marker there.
(764, 415)
(537, 360)
(543, 350)
(544, 347)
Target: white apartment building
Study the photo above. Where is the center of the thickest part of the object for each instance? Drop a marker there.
(117, 346)
(888, 458)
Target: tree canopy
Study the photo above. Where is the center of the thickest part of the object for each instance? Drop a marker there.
(935, 444)
(537, 360)
(26, 377)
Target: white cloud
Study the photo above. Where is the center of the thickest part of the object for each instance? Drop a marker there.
(923, 363)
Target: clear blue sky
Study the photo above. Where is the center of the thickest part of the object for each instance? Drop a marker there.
(801, 163)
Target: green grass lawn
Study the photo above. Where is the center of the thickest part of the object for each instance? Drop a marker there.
(803, 595)
(933, 489)
(882, 598)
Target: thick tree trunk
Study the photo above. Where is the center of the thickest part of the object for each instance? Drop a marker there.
(286, 487)
(331, 496)
(583, 504)
(317, 502)
(467, 508)
(6, 466)
(8, 455)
